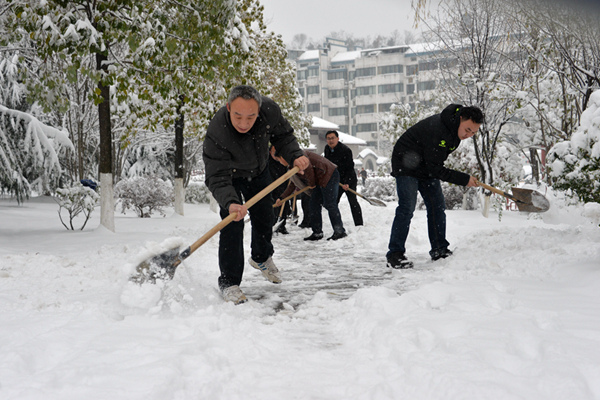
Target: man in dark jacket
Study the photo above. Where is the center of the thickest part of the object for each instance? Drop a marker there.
(418, 166)
(236, 153)
(323, 176)
(341, 155)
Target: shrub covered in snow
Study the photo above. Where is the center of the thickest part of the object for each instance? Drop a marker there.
(144, 195)
(574, 165)
(197, 193)
(76, 200)
(383, 188)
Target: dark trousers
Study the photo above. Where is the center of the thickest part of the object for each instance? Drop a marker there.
(354, 206)
(231, 239)
(326, 197)
(431, 191)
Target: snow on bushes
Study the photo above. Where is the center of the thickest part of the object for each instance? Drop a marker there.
(574, 164)
(144, 195)
(197, 193)
(76, 200)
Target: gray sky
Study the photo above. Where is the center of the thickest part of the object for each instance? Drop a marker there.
(317, 18)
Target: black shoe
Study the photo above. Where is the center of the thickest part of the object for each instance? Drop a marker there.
(439, 253)
(304, 225)
(337, 235)
(314, 236)
(398, 261)
(282, 229)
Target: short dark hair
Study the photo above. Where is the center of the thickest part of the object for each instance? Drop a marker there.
(332, 131)
(245, 92)
(473, 113)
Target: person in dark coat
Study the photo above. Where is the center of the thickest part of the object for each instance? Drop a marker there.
(341, 155)
(235, 154)
(418, 166)
(323, 176)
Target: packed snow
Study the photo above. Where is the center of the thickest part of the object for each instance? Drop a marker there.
(513, 314)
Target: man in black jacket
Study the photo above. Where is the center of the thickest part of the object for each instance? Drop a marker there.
(418, 166)
(341, 155)
(236, 154)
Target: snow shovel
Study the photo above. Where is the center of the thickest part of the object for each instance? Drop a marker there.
(372, 201)
(527, 200)
(280, 220)
(163, 266)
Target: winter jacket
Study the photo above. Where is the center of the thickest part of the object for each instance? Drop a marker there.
(317, 174)
(341, 155)
(422, 150)
(228, 154)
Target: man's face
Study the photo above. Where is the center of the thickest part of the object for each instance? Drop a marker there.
(332, 140)
(467, 128)
(243, 114)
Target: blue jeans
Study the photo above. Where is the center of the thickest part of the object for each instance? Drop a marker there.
(231, 239)
(431, 191)
(327, 197)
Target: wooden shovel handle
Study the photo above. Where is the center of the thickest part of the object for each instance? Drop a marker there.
(355, 192)
(226, 221)
(304, 189)
(498, 191)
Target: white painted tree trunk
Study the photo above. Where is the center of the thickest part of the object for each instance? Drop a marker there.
(107, 202)
(179, 196)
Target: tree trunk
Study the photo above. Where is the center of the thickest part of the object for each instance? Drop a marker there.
(107, 201)
(179, 189)
(535, 172)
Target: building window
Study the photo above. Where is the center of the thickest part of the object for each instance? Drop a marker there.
(390, 69)
(371, 71)
(365, 90)
(366, 127)
(302, 74)
(312, 90)
(336, 94)
(337, 111)
(410, 88)
(313, 107)
(301, 91)
(385, 107)
(313, 72)
(428, 65)
(344, 128)
(391, 88)
(427, 85)
(366, 109)
(335, 75)
(412, 70)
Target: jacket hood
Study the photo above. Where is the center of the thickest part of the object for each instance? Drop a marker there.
(450, 117)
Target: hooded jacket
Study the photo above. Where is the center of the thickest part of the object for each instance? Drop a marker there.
(228, 154)
(317, 174)
(422, 150)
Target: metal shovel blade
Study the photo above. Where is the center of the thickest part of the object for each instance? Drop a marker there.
(161, 266)
(529, 200)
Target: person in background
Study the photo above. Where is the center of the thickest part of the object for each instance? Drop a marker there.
(341, 155)
(363, 175)
(236, 154)
(276, 170)
(418, 166)
(324, 177)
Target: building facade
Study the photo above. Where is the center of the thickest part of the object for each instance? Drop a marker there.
(354, 88)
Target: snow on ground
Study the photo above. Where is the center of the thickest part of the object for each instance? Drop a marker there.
(514, 314)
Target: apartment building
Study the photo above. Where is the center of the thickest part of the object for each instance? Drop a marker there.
(353, 88)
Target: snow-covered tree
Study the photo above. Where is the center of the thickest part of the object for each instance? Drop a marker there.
(29, 149)
(575, 164)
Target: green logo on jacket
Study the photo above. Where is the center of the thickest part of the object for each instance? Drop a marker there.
(442, 143)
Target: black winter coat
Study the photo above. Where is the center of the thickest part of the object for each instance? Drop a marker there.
(422, 150)
(341, 156)
(228, 154)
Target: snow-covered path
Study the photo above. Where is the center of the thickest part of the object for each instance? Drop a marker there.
(513, 314)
